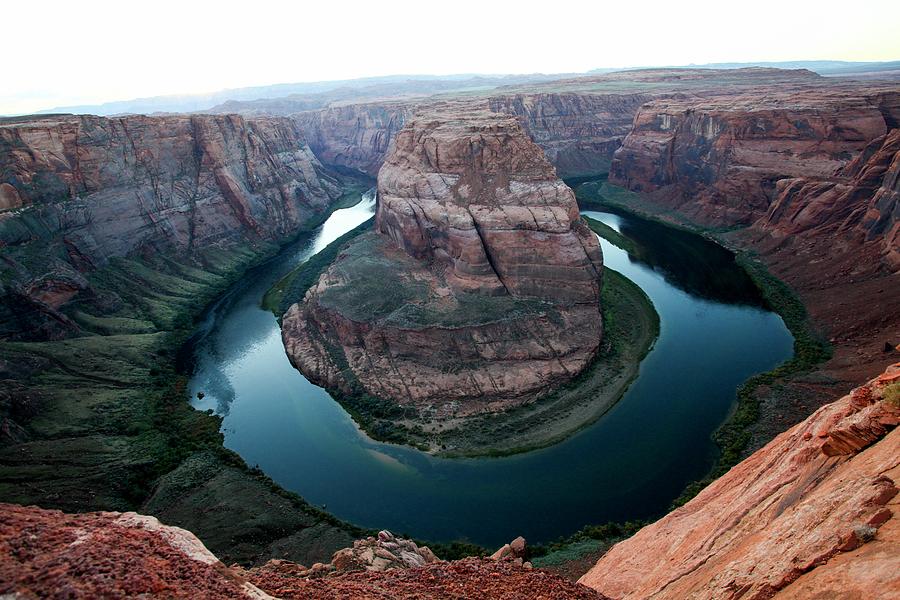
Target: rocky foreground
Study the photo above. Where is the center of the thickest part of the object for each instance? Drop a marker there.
(479, 289)
(46, 553)
(810, 515)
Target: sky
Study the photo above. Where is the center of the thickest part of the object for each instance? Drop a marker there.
(60, 53)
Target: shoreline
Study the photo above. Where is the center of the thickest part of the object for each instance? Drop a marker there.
(543, 422)
(115, 398)
(810, 349)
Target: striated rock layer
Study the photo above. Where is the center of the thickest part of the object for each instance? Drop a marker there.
(480, 288)
(805, 176)
(90, 189)
(718, 158)
(811, 514)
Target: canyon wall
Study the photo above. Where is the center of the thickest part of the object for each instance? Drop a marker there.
(578, 132)
(718, 159)
(861, 201)
(479, 289)
(805, 177)
(812, 514)
(355, 136)
(81, 190)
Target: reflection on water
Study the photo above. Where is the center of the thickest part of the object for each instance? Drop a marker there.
(236, 327)
(715, 333)
(705, 270)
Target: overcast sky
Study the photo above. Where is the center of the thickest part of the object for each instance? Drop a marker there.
(76, 52)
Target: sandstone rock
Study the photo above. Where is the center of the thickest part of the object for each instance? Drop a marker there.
(515, 550)
(494, 278)
(794, 513)
(102, 188)
(718, 158)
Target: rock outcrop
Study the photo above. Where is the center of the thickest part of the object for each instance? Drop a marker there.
(860, 201)
(480, 288)
(50, 554)
(89, 189)
(718, 159)
(812, 514)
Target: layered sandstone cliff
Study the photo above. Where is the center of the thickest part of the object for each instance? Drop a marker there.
(860, 201)
(812, 514)
(81, 190)
(480, 288)
(578, 132)
(805, 176)
(719, 159)
(355, 136)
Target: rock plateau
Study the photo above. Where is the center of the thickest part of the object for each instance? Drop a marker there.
(480, 287)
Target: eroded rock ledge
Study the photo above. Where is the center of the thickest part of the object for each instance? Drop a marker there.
(479, 289)
(811, 514)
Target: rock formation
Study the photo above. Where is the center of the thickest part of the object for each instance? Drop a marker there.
(718, 159)
(92, 189)
(805, 176)
(861, 201)
(50, 554)
(355, 136)
(578, 132)
(812, 514)
(480, 288)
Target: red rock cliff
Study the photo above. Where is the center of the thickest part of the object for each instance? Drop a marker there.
(87, 189)
(718, 159)
(812, 514)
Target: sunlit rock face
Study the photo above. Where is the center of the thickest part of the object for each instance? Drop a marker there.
(480, 287)
(812, 514)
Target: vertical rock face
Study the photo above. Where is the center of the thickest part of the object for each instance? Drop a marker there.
(476, 193)
(813, 513)
(862, 200)
(480, 288)
(89, 189)
(578, 132)
(718, 159)
(355, 136)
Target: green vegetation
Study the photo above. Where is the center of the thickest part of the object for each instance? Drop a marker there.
(611, 235)
(892, 394)
(590, 540)
(292, 287)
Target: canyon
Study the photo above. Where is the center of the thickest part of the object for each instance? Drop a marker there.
(88, 190)
(115, 232)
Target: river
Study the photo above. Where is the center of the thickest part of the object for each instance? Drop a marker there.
(715, 332)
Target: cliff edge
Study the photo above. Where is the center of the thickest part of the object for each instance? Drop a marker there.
(811, 514)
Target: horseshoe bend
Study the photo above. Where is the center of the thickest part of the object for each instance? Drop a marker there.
(627, 333)
(479, 288)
